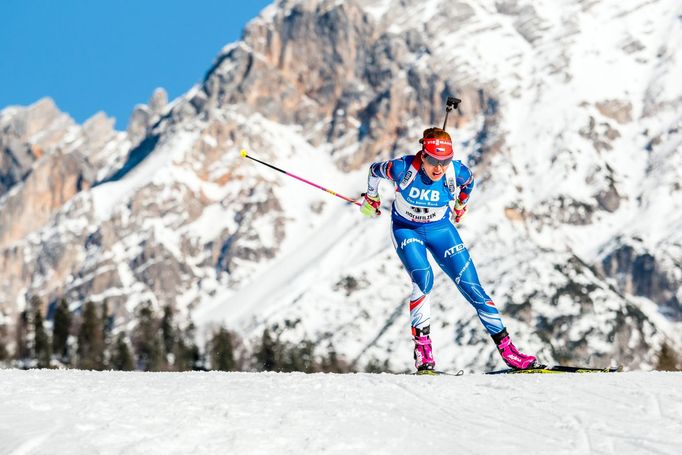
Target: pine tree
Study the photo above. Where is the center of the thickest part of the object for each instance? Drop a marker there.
(43, 351)
(107, 319)
(4, 354)
(222, 351)
(121, 359)
(186, 351)
(61, 330)
(297, 357)
(90, 340)
(182, 360)
(167, 330)
(23, 351)
(107, 326)
(331, 363)
(147, 341)
(668, 359)
(306, 355)
(266, 356)
(377, 366)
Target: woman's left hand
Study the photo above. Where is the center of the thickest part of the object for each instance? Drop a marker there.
(459, 210)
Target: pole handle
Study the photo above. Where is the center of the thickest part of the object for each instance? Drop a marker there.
(450, 104)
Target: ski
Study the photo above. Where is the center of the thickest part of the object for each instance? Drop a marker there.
(438, 373)
(554, 369)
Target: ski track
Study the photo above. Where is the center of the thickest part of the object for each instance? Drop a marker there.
(30, 445)
(78, 412)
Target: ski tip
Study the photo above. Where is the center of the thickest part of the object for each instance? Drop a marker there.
(243, 153)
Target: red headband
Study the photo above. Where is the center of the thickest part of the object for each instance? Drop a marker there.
(438, 148)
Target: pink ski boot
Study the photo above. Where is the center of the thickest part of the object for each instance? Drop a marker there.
(511, 356)
(423, 354)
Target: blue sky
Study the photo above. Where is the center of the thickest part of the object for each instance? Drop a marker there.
(108, 55)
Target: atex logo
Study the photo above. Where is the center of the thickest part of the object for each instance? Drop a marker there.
(406, 242)
(453, 250)
(425, 195)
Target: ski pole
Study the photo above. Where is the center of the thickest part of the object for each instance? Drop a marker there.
(246, 155)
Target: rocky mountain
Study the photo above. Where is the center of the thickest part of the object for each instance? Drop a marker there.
(570, 120)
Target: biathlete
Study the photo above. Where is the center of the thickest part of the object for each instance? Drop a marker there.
(426, 184)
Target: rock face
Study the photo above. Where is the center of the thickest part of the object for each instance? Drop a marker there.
(639, 272)
(144, 116)
(50, 184)
(574, 225)
(366, 84)
(47, 160)
(25, 135)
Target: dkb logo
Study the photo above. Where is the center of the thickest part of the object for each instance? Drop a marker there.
(425, 195)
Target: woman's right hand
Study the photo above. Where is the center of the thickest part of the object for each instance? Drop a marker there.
(370, 205)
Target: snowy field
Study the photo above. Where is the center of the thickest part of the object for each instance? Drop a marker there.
(76, 412)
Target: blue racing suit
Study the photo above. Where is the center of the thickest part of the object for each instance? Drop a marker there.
(420, 222)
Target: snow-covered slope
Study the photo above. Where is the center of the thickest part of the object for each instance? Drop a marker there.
(70, 412)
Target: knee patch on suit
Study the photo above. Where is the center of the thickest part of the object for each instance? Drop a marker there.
(422, 279)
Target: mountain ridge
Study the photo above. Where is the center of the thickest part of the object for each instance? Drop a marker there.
(568, 164)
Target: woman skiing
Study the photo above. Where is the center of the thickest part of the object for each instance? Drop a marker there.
(426, 184)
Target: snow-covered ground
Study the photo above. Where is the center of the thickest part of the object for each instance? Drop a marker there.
(78, 412)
